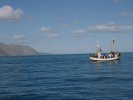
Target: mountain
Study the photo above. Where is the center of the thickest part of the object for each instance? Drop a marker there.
(17, 50)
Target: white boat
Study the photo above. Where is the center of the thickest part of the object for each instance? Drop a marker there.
(98, 56)
(104, 59)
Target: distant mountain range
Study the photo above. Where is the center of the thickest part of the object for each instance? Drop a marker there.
(17, 50)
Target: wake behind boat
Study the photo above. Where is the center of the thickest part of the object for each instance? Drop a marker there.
(99, 56)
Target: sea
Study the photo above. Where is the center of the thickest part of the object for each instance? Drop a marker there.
(65, 77)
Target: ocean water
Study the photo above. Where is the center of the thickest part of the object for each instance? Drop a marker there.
(65, 77)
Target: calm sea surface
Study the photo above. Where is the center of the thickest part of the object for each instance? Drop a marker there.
(65, 77)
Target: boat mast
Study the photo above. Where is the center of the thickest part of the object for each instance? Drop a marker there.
(99, 50)
(113, 47)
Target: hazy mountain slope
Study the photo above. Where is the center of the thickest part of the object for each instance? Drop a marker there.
(16, 50)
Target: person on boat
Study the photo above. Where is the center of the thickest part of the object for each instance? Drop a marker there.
(110, 55)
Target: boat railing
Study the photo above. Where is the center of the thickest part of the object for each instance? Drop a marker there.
(105, 56)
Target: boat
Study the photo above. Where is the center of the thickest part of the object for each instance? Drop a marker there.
(111, 56)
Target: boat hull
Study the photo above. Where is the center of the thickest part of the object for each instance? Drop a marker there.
(103, 59)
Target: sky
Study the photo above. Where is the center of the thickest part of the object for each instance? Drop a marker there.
(67, 26)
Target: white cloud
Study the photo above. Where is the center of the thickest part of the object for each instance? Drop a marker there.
(116, 1)
(7, 13)
(127, 14)
(19, 37)
(44, 29)
(78, 31)
(110, 27)
(53, 36)
(76, 22)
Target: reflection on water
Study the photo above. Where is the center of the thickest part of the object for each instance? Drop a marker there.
(114, 61)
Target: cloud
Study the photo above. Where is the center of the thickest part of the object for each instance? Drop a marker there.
(116, 1)
(53, 36)
(44, 29)
(76, 22)
(78, 31)
(8, 14)
(110, 27)
(19, 37)
(127, 14)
